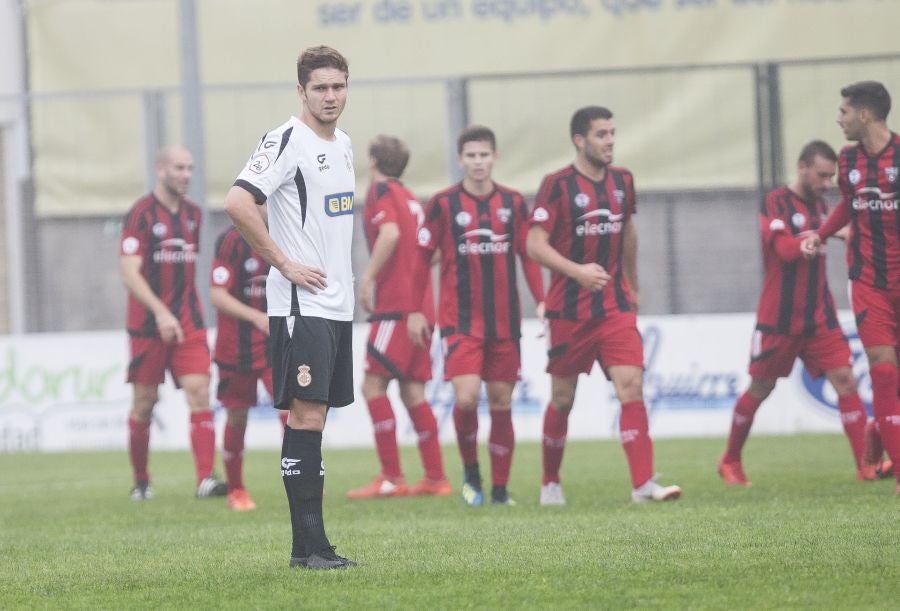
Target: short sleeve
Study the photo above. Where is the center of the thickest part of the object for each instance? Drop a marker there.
(135, 235)
(268, 167)
(222, 274)
(546, 205)
(432, 230)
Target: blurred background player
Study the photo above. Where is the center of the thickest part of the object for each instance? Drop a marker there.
(869, 180)
(392, 217)
(239, 295)
(582, 230)
(479, 228)
(796, 315)
(157, 262)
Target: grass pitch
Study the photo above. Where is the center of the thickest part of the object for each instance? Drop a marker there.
(806, 535)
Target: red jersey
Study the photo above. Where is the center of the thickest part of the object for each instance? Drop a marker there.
(391, 202)
(795, 298)
(168, 244)
(585, 220)
(870, 189)
(479, 238)
(239, 344)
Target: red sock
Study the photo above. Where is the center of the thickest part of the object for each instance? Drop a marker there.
(853, 417)
(139, 448)
(741, 421)
(556, 425)
(635, 436)
(429, 444)
(501, 442)
(874, 449)
(466, 434)
(887, 409)
(385, 426)
(203, 443)
(233, 456)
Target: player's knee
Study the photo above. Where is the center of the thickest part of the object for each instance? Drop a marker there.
(372, 387)
(761, 388)
(563, 400)
(236, 418)
(145, 399)
(467, 401)
(630, 389)
(843, 381)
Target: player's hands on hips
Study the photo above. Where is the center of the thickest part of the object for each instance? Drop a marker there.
(169, 328)
(366, 294)
(261, 322)
(310, 278)
(592, 276)
(809, 247)
(418, 329)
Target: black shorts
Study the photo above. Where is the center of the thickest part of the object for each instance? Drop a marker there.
(312, 363)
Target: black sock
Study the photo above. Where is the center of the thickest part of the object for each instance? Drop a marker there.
(473, 474)
(499, 494)
(304, 480)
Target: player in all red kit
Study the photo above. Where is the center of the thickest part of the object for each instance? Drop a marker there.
(796, 315)
(869, 180)
(238, 293)
(392, 217)
(157, 262)
(479, 227)
(583, 231)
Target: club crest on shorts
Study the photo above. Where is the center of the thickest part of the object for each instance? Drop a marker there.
(304, 378)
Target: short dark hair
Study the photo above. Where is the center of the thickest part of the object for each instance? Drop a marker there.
(390, 154)
(476, 133)
(816, 148)
(581, 120)
(871, 95)
(314, 58)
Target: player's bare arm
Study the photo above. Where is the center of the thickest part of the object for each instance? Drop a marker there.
(242, 210)
(629, 260)
(810, 246)
(130, 271)
(589, 275)
(384, 246)
(228, 304)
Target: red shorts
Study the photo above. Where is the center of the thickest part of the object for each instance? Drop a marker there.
(772, 356)
(877, 315)
(150, 357)
(237, 389)
(391, 354)
(494, 360)
(576, 344)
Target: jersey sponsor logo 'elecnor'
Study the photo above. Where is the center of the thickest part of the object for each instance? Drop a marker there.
(880, 202)
(339, 204)
(498, 245)
(256, 286)
(175, 250)
(288, 466)
(612, 224)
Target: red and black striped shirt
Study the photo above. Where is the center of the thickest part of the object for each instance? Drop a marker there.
(585, 220)
(168, 244)
(479, 238)
(870, 190)
(795, 298)
(237, 268)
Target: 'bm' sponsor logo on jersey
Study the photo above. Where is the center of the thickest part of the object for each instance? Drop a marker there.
(339, 203)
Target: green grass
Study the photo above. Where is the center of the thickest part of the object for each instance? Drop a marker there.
(806, 535)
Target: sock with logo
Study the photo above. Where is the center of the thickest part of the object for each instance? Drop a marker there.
(304, 480)
(853, 419)
(887, 409)
(385, 426)
(466, 423)
(741, 421)
(501, 442)
(635, 435)
(429, 444)
(203, 443)
(139, 448)
(233, 456)
(553, 443)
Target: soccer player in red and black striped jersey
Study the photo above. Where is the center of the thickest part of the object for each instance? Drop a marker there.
(582, 229)
(479, 228)
(796, 315)
(238, 293)
(157, 262)
(869, 179)
(392, 218)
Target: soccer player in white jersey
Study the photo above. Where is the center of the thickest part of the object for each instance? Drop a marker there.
(303, 172)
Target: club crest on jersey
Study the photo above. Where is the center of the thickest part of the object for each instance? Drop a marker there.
(159, 229)
(463, 219)
(251, 265)
(259, 163)
(798, 220)
(304, 377)
(891, 173)
(339, 204)
(504, 214)
(191, 225)
(582, 200)
(854, 177)
(619, 194)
